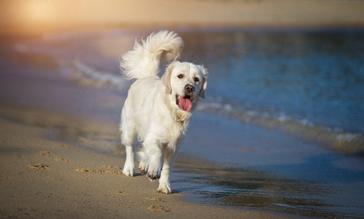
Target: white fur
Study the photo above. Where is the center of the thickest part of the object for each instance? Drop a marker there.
(150, 111)
(143, 61)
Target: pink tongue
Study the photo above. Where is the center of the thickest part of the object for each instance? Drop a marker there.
(185, 104)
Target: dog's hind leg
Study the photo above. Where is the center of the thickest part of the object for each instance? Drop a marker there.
(127, 139)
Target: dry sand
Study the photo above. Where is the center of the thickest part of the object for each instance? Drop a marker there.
(43, 174)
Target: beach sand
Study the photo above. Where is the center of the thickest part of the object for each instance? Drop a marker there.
(48, 177)
(61, 156)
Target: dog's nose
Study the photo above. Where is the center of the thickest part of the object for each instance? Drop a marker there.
(189, 89)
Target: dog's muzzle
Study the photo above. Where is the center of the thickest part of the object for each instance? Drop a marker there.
(185, 102)
(189, 89)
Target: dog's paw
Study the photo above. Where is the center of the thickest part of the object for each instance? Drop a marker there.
(154, 168)
(143, 167)
(153, 175)
(164, 187)
(128, 169)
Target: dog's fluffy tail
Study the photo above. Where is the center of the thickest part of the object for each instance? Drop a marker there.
(144, 59)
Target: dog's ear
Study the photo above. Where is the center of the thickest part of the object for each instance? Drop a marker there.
(204, 73)
(166, 78)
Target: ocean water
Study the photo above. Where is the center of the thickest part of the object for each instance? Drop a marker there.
(282, 124)
(316, 76)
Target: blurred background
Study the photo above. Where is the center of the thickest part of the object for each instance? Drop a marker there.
(31, 15)
(282, 126)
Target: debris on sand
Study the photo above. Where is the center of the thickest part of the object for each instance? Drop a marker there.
(158, 208)
(45, 153)
(83, 170)
(61, 159)
(56, 158)
(102, 170)
(157, 199)
(64, 145)
(38, 166)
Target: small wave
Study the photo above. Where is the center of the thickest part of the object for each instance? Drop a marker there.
(83, 34)
(59, 37)
(351, 143)
(87, 75)
(31, 48)
(20, 47)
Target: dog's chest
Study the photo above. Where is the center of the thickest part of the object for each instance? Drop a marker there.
(173, 130)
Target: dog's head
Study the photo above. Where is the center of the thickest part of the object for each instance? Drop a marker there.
(186, 82)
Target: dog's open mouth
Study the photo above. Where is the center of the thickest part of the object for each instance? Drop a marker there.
(184, 102)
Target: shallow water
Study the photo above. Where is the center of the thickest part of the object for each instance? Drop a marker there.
(280, 105)
(266, 168)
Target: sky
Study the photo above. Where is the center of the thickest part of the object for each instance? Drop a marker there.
(60, 11)
(32, 13)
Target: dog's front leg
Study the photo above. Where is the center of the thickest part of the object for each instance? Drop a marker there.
(127, 138)
(154, 154)
(164, 185)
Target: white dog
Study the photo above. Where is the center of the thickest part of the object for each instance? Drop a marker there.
(158, 110)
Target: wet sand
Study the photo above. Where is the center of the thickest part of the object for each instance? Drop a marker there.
(61, 157)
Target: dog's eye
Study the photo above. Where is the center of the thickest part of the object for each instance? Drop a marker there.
(180, 76)
(196, 79)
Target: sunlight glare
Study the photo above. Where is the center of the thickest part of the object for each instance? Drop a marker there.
(39, 11)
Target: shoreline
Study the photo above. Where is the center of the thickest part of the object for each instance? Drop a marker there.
(46, 175)
(49, 167)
